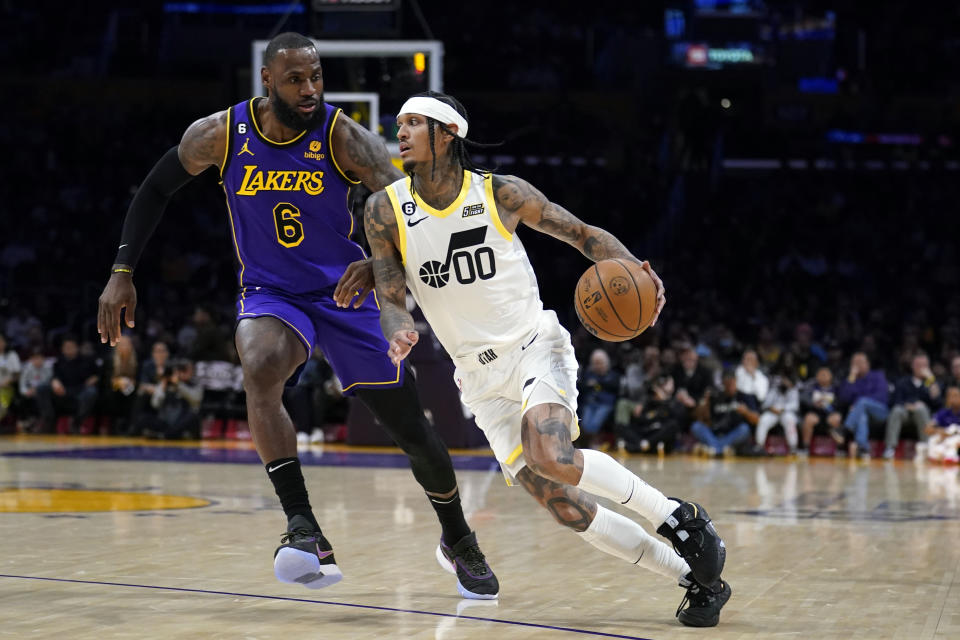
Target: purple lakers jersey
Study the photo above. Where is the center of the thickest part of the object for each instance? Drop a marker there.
(287, 203)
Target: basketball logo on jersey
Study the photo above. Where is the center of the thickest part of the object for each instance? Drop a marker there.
(467, 266)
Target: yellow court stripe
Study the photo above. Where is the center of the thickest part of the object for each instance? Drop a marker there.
(492, 204)
(336, 114)
(253, 119)
(79, 500)
(464, 189)
(401, 227)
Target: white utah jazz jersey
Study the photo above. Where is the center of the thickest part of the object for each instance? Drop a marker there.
(470, 276)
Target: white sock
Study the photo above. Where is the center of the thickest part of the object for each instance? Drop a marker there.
(603, 476)
(622, 537)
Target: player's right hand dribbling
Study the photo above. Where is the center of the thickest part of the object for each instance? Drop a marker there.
(119, 294)
(401, 343)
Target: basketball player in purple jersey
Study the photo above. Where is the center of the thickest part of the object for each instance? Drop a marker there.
(448, 233)
(286, 163)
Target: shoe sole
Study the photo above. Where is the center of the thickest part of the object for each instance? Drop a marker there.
(446, 564)
(712, 622)
(293, 566)
(463, 591)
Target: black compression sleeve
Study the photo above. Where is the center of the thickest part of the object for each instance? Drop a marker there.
(148, 204)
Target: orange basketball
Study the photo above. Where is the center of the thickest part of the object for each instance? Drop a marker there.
(615, 299)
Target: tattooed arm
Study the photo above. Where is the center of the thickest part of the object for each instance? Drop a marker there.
(391, 281)
(204, 143)
(519, 201)
(362, 155)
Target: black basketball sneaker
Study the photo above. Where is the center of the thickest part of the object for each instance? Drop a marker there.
(305, 557)
(475, 578)
(703, 603)
(696, 540)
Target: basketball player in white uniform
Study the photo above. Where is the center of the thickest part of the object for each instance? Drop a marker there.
(447, 233)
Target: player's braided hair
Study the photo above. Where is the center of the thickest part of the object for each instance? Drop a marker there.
(459, 145)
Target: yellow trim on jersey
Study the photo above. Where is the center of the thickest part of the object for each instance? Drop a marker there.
(494, 212)
(226, 145)
(514, 455)
(236, 245)
(394, 381)
(467, 182)
(336, 114)
(401, 226)
(253, 119)
(303, 338)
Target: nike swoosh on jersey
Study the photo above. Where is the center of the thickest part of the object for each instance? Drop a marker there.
(413, 223)
(524, 347)
(272, 469)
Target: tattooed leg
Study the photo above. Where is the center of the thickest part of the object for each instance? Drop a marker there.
(568, 505)
(547, 448)
(606, 530)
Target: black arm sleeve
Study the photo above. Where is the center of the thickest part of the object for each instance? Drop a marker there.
(148, 204)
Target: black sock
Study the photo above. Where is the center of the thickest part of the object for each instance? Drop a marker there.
(288, 482)
(451, 518)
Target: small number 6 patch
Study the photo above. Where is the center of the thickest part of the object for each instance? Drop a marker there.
(242, 127)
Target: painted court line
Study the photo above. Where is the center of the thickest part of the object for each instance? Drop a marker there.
(330, 603)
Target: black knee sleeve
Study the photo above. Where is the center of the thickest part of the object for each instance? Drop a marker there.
(401, 416)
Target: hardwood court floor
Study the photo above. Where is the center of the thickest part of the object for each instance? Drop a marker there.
(138, 541)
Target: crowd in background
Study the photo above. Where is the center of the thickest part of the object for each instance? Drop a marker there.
(799, 300)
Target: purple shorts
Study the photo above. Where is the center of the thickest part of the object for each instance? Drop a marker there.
(350, 339)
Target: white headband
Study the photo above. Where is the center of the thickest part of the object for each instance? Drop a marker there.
(439, 111)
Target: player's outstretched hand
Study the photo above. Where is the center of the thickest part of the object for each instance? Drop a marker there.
(357, 281)
(661, 290)
(401, 343)
(119, 294)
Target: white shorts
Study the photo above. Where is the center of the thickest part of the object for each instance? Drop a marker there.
(500, 384)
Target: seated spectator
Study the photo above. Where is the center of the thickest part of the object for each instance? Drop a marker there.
(598, 390)
(19, 327)
(121, 374)
(9, 373)
(176, 401)
(913, 398)
(316, 401)
(73, 389)
(817, 399)
(750, 379)
(692, 380)
(153, 371)
(640, 368)
(732, 413)
(768, 349)
(943, 432)
(36, 373)
(780, 408)
(805, 354)
(865, 392)
(953, 380)
(653, 424)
